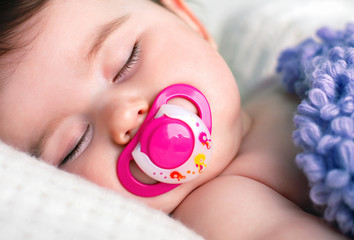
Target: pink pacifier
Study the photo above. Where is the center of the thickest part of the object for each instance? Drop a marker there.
(172, 146)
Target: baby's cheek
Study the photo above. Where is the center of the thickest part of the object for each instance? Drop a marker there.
(95, 165)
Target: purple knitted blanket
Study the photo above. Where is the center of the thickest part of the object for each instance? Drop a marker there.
(321, 73)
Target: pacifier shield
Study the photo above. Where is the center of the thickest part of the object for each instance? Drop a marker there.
(172, 146)
(168, 142)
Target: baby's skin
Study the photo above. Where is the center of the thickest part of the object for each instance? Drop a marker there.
(260, 194)
(81, 88)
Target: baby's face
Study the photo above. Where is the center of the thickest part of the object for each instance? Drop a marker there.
(86, 82)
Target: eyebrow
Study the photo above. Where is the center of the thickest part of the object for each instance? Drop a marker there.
(103, 32)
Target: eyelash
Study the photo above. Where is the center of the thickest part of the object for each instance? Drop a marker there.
(78, 147)
(133, 58)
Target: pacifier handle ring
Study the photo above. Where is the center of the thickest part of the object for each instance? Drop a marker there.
(135, 186)
(190, 93)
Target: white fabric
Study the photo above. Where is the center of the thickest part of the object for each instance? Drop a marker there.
(39, 202)
(257, 31)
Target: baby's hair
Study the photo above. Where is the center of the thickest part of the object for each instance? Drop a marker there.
(13, 14)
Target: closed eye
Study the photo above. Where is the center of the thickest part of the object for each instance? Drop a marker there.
(80, 147)
(133, 58)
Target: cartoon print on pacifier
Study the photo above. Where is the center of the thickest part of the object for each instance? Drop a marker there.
(177, 175)
(203, 138)
(200, 161)
(172, 146)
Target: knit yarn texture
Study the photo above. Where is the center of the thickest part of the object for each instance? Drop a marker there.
(321, 72)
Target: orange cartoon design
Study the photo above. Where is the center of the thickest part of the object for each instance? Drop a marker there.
(177, 175)
(199, 162)
(204, 140)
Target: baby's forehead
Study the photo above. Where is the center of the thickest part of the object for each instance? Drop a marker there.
(39, 16)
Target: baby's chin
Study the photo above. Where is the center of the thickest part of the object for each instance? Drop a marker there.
(169, 201)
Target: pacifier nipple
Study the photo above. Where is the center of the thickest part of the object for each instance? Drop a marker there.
(172, 146)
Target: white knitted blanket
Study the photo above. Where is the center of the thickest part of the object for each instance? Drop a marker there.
(39, 202)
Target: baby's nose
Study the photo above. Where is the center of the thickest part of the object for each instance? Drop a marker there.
(124, 119)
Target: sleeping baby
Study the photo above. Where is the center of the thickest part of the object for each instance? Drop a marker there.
(133, 96)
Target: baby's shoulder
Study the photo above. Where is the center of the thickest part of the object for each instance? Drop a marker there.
(267, 153)
(224, 208)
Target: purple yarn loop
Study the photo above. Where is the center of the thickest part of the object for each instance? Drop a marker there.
(321, 73)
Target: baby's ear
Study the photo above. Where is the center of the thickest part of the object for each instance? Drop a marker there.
(180, 8)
